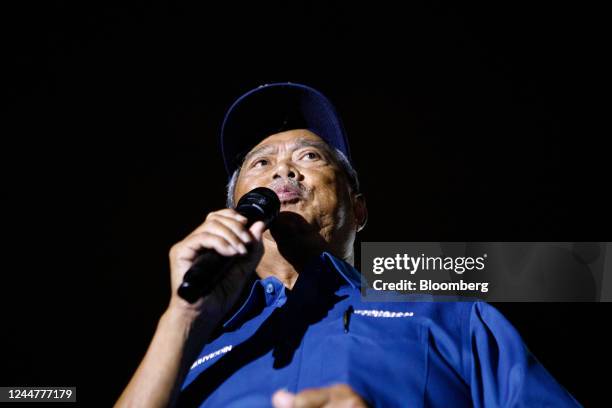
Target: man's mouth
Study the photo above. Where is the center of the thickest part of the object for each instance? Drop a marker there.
(288, 194)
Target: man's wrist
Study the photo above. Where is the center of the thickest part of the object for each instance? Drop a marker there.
(180, 315)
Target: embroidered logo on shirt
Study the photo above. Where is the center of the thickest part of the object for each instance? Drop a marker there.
(382, 313)
(210, 356)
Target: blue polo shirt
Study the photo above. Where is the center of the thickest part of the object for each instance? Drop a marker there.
(393, 354)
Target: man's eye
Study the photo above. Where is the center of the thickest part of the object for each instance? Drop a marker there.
(310, 156)
(260, 163)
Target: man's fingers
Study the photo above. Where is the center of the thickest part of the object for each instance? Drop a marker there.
(238, 227)
(230, 213)
(283, 399)
(313, 398)
(237, 236)
(194, 243)
(335, 396)
(225, 214)
(220, 238)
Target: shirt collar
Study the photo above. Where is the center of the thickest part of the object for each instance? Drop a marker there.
(343, 268)
(272, 291)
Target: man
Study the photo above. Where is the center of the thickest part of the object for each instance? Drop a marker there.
(296, 333)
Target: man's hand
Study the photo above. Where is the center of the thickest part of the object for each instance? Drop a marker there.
(158, 376)
(335, 396)
(225, 232)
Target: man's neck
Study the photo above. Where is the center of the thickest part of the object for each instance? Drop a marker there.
(273, 263)
(287, 260)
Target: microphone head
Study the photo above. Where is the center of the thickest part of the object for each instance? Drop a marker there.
(259, 204)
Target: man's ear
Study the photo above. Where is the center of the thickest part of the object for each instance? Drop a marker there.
(360, 211)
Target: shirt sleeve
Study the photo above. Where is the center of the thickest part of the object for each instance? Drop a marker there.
(503, 372)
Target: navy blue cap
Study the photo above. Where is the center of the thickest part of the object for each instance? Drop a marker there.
(274, 108)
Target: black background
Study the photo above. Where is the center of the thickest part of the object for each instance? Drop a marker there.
(467, 122)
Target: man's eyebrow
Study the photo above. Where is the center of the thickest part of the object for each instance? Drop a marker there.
(265, 149)
(299, 144)
(302, 142)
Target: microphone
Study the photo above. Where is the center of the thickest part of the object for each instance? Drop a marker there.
(259, 204)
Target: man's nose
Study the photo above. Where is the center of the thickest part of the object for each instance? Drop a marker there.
(286, 169)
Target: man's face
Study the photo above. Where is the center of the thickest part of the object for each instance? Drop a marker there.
(299, 167)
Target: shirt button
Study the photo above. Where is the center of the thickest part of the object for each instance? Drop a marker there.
(269, 288)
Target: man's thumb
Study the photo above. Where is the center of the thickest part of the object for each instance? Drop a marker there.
(257, 229)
